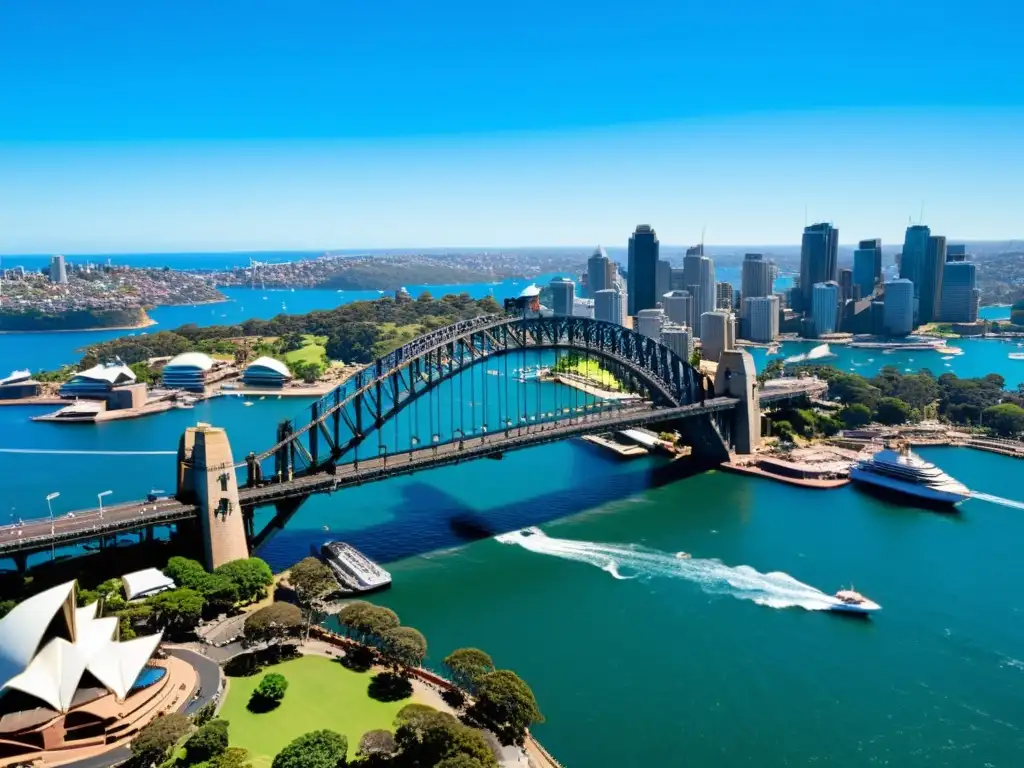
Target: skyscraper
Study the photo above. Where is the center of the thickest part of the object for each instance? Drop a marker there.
(58, 270)
(599, 267)
(643, 269)
(723, 295)
(956, 252)
(649, 323)
(679, 339)
(664, 278)
(928, 306)
(912, 259)
(717, 334)
(678, 306)
(819, 259)
(864, 271)
(677, 279)
(846, 285)
(563, 293)
(706, 298)
(825, 307)
(761, 318)
(899, 307)
(608, 306)
(875, 246)
(756, 278)
(960, 294)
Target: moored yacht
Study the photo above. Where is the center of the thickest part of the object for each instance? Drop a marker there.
(354, 570)
(904, 474)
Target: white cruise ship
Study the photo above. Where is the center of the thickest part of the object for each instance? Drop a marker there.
(911, 477)
(354, 570)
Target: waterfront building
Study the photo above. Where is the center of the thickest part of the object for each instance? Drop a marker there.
(188, 371)
(761, 318)
(678, 306)
(583, 307)
(825, 307)
(718, 333)
(723, 295)
(930, 292)
(600, 272)
(677, 279)
(756, 278)
(649, 322)
(960, 294)
(678, 338)
(899, 307)
(864, 275)
(819, 259)
(563, 293)
(846, 287)
(18, 385)
(58, 270)
(664, 277)
(266, 372)
(67, 681)
(608, 306)
(98, 381)
(875, 246)
(643, 269)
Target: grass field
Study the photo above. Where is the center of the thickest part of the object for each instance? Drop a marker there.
(591, 369)
(312, 351)
(321, 694)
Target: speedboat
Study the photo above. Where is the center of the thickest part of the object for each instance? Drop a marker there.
(514, 537)
(849, 601)
(683, 555)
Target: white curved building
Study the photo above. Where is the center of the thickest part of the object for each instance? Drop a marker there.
(98, 380)
(266, 372)
(187, 371)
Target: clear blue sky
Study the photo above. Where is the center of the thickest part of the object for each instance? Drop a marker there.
(236, 125)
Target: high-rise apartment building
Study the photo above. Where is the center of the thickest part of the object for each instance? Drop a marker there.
(58, 270)
(706, 296)
(608, 306)
(718, 333)
(723, 295)
(678, 306)
(643, 269)
(825, 307)
(864, 276)
(819, 259)
(761, 318)
(679, 339)
(677, 279)
(649, 323)
(899, 307)
(960, 294)
(930, 301)
(756, 278)
(664, 278)
(875, 246)
(563, 294)
(600, 272)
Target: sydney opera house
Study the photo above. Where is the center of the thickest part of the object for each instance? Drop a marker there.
(68, 684)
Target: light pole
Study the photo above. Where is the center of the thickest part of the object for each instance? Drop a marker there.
(99, 497)
(53, 543)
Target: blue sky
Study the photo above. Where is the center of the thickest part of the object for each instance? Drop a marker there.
(174, 126)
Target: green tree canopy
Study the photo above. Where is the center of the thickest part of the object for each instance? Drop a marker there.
(210, 740)
(1006, 419)
(319, 749)
(506, 705)
(405, 646)
(460, 761)
(892, 411)
(272, 687)
(177, 609)
(856, 415)
(467, 666)
(251, 575)
(184, 571)
(275, 621)
(367, 621)
(426, 736)
(379, 743)
(232, 757)
(311, 579)
(155, 739)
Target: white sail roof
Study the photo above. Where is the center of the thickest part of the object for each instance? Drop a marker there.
(270, 363)
(22, 630)
(145, 582)
(118, 665)
(113, 373)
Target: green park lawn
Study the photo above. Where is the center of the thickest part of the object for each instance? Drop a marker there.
(321, 694)
(312, 351)
(591, 369)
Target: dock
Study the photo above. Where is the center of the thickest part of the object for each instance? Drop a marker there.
(620, 449)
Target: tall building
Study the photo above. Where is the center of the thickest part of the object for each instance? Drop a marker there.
(643, 269)
(608, 306)
(956, 252)
(930, 293)
(913, 257)
(583, 307)
(723, 295)
(677, 281)
(825, 307)
(819, 259)
(899, 307)
(761, 318)
(649, 323)
(706, 297)
(58, 270)
(678, 306)
(563, 294)
(864, 275)
(960, 294)
(600, 272)
(664, 278)
(679, 339)
(846, 285)
(875, 246)
(717, 335)
(756, 278)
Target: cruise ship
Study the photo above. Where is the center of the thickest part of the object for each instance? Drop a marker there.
(903, 474)
(354, 570)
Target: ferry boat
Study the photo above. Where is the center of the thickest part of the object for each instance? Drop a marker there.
(900, 472)
(849, 601)
(354, 570)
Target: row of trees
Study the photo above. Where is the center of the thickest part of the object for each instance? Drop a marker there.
(204, 742)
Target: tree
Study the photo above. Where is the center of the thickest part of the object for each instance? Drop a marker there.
(204, 714)
(319, 749)
(506, 705)
(309, 370)
(184, 571)
(892, 411)
(783, 430)
(1006, 419)
(404, 647)
(467, 666)
(251, 575)
(379, 743)
(312, 581)
(426, 736)
(460, 761)
(272, 622)
(210, 740)
(856, 415)
(773, 370)
(271, 688)
(695, 358)
(155, 739)
(177, 609)
(367, 621)
(232, 757)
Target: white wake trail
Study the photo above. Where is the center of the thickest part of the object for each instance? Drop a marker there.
(776, 589)
(997, 500)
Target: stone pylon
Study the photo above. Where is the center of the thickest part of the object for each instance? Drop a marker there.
(206, 474)
(737, 377)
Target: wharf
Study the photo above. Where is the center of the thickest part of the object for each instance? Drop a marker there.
(624, 451)
(755, 470)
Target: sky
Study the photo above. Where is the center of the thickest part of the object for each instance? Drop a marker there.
(259, 125)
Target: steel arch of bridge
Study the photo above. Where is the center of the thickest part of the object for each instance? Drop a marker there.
(338, 423)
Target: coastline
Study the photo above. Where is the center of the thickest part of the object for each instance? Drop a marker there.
(148, 323)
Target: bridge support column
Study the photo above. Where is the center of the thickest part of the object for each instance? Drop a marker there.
(209, 474)
(737, 377)
(20, 562)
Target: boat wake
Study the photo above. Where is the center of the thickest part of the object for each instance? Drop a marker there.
(997, 500)
(630, 561)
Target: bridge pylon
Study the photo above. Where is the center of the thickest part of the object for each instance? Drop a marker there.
(737, 377)
(206, 474)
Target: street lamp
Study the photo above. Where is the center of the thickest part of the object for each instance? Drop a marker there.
(53, 528)
(99, 497)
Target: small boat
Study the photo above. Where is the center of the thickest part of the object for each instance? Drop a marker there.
(683, 555)
(849, 601)
(247, 403)
(1016, 355)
